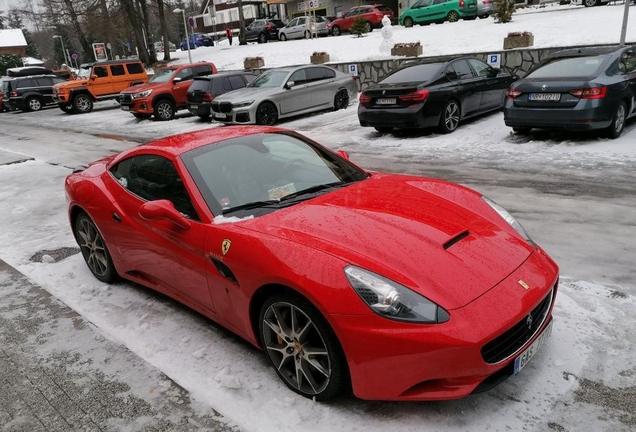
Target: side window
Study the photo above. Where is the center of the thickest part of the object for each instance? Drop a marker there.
(302, 21)
(316, 74)
(249, 78)
(227, 86)
(350, 13)
(462, 69)
(330, 73)
(27, 83)
(630, 63)
(58, 80)
(134, 68)
(438, 1)
(293, 22)
(203, 70)
(482, 69)
(117, 70)
(237, 82)
(299, 77)
(100, 71)
(185, 74)
(451, 74)
(153, 177)
(45, 82)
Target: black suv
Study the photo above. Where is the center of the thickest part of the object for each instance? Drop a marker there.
(204, 89)
(29, 93)
(262, 30)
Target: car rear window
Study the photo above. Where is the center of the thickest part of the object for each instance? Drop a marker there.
(418, 73)
(199, 84)
(571, 67)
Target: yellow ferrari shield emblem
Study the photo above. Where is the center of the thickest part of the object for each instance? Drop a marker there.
(523, 284)
(225, 246)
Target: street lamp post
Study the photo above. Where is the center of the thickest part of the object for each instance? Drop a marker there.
(63, 49)
(185, 27)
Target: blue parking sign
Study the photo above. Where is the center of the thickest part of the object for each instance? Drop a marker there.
(494, 60)
(353, 69)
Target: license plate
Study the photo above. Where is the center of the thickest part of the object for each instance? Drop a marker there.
(545, 97)
(386, 101)
(525, 356)
(220, 115)
(471, 6)
(194, 107)
(125, 108)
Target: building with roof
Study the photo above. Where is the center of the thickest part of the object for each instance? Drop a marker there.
(12, 41)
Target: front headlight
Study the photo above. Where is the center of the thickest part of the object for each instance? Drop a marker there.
(392, 300)
(514, 223)
(142, 94)
(242, 104)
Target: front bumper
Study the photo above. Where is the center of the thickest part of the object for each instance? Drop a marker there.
(226, 113)
(587, 115)
(139, 106)
(389, 360)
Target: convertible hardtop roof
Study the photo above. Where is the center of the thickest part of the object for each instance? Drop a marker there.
(182, 143)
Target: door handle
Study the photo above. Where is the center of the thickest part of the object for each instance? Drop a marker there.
(116, 218)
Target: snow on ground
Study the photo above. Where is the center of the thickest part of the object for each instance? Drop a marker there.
(552, 26)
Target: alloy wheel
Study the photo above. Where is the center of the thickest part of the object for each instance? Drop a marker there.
(619, 121)
(367, 27)
(164, 110)
(296, 347)
(453, 16)
(451, 116)
(335, 31)
(266, 114)
(35, 104)
(83, 104)
(341, 100)
(92, 246)
(408, 22)
(590, 3)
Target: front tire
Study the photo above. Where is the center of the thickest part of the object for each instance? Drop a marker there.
(302, 347)
(282, 37)
(590, 3)
(449, 120)
(82, 104)
(164, 110)
(266, 114)
(94, 249)
(618, 121)
(335, 31)
(341, 100)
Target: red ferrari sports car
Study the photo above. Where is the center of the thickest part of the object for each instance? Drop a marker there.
(398, 287)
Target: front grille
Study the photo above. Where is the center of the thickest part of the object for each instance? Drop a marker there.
(225, 107)
(506, 345)
(214, 106)
(125, 98)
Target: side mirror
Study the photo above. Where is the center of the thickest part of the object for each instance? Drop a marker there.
(163, 210)
(93, 77)
(290, 84)
(343, 154)
(177, 80)
(494, 72)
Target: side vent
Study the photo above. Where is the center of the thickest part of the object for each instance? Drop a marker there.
(224, 270)
(456, 239)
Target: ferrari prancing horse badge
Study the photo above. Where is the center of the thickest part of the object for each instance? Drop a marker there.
(225, 246)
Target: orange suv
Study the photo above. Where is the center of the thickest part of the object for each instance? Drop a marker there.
(165, 93)
(97, 82)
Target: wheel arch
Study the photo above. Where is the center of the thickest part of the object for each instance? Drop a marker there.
(83, 91)
(163, 96)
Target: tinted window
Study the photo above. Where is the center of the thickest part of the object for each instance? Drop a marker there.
(153, 177)
(45, 82)
(482, 69)
(451, 74)
(134, 68)
(27, 83)
(439, 1)
(462, 69)
(117, 70)
(185, 74)
(202, 70)
(571, 67)
(270, 79)
(299, 77)
(199, 85)
(100, 71)
(419, 73)
(316, 74)
(237, 82)
(227, 86)
(249, 77)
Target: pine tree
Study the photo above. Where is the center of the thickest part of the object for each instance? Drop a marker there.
(504, 10)
(359, 27)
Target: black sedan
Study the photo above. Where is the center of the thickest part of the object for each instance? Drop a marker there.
(578, 89)
(434, 95)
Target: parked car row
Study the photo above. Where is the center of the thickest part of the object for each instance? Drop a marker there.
(578, 89)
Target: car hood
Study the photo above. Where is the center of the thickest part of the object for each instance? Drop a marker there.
(142, 87)
(248, 93)
(403, 228)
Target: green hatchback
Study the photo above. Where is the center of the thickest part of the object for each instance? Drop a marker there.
(438, 11)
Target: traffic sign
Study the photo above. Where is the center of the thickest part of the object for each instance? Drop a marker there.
(353, 69)
(191, 22)
(74, 56)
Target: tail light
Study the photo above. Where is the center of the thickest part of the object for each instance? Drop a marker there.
(13, 94)
(207, 97)
(462, 3)
(590, 93)
(364, 98)
(416, 96)
(512, 94)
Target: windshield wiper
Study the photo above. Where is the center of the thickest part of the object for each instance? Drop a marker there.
(314, 189)
(252, 205)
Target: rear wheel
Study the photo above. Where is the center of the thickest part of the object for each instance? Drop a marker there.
(590, 3)
(164, 110)
(408, 22)
(82, 104)
(94, 249)
(449, 120)
(452, 16)
(383, 129)
(34, 104)
(266, 114)
(341, 100)
(618, 121)
(335, 31)
(521, 131)
(302, 348)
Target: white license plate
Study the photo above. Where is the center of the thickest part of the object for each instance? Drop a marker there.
(545, 97)
(386, 101)
(194, 107)
(525, 356)
(220, 115)
(125, 108)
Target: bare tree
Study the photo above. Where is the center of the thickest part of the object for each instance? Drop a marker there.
(242, 38)
(164, 30)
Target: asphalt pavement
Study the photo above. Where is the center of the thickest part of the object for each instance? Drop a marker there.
(58, 373)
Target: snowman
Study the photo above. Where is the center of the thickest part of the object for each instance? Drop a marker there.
(387, 35)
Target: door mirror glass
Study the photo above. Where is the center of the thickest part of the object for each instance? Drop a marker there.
(163, 210)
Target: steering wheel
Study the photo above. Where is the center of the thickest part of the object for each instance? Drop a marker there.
(292, 162)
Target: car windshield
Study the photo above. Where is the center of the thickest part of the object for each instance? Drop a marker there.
(270, 79)
(260, 173)
(161, 75)
(418, 73)
(85, 72)
(571, 67)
